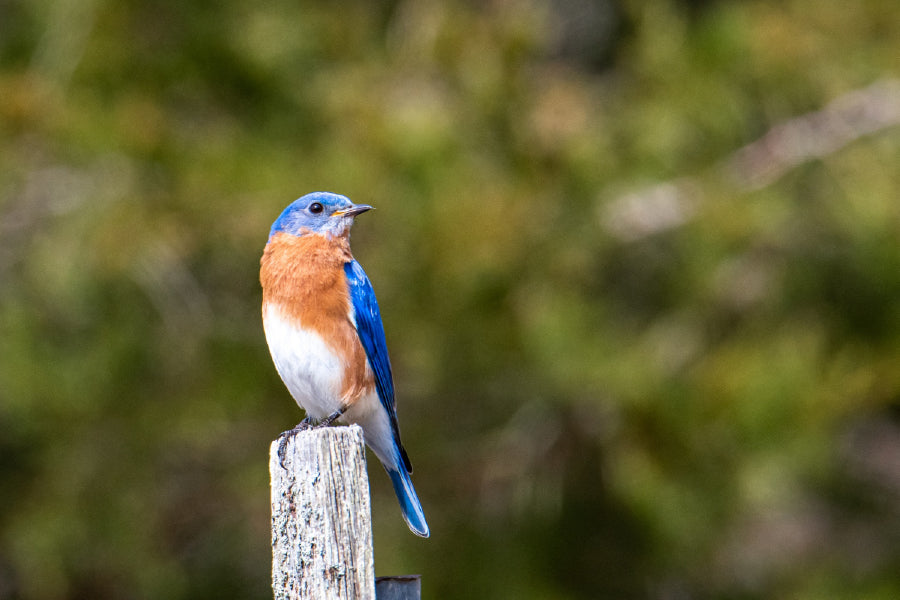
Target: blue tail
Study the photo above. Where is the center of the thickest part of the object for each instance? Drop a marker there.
(409, 501)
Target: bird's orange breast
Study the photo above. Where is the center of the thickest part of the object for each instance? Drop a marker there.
(304, 277)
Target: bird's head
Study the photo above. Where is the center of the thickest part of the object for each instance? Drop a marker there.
(320, 212)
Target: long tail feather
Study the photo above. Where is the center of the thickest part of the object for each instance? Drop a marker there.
(409, 501)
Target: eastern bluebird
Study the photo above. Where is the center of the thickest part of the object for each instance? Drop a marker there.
(325, 334)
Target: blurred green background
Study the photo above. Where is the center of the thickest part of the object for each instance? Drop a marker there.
(638, 263)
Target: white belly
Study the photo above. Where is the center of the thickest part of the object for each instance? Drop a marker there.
(311, 371)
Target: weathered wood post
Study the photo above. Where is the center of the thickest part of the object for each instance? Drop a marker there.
(322, 521)
(321, 517)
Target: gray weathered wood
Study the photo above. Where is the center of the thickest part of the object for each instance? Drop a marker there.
(321, 517)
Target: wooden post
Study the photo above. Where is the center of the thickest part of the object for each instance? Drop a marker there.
(321, 517)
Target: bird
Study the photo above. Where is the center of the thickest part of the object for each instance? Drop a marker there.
(324, 331)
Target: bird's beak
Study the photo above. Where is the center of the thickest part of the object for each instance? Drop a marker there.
(354, 210)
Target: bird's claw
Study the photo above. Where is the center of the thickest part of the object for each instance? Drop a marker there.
(303, 425)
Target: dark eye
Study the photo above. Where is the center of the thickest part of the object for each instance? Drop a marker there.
(315, 208)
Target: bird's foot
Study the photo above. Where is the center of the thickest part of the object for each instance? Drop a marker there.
(330, 419)
(303, 425)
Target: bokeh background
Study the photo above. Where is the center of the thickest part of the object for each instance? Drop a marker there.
(638, 262)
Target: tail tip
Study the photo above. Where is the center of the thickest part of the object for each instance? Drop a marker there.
(420, 529)
(409, 503)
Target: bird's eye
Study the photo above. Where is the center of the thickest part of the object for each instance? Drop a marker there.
(315, 208)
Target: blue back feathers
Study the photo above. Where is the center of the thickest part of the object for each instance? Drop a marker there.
(371, 335)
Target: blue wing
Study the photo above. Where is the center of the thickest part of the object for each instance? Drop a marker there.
(371, 334)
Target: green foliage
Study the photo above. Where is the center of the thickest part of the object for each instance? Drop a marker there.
(630, 361)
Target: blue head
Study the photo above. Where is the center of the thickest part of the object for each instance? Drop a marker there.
(320, 212)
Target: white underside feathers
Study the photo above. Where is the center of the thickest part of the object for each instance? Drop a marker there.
(313, 374)
(309, 368)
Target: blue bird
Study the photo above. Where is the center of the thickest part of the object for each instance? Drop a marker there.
(325, 334)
